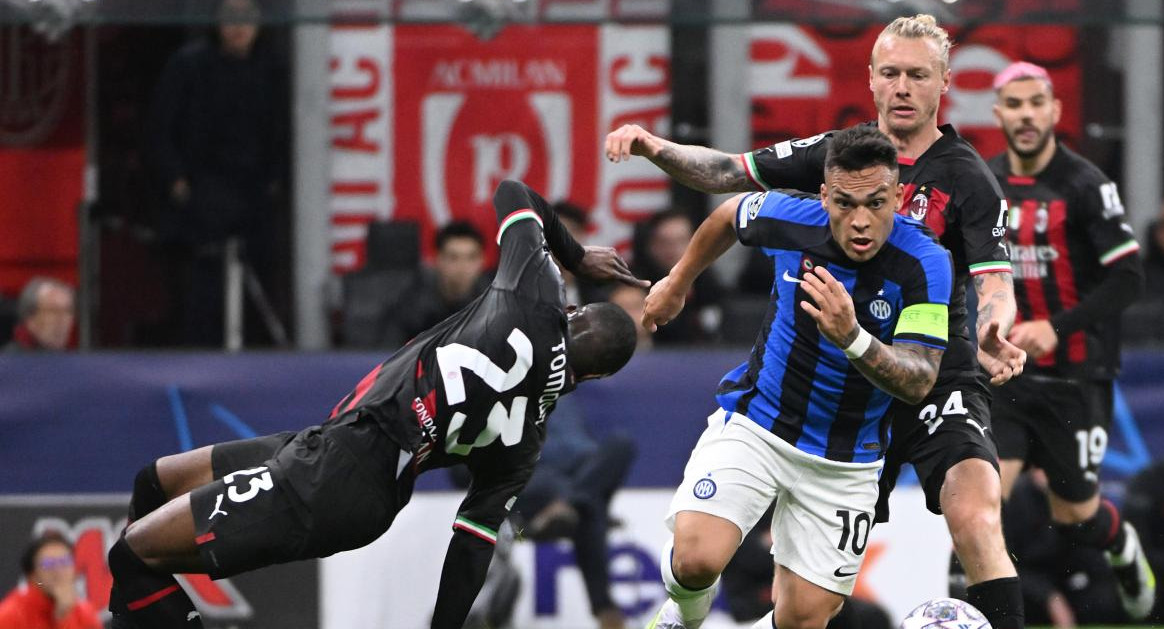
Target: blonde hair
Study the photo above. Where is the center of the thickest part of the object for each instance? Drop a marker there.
(919, 26)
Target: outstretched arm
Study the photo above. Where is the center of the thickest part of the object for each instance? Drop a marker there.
(905, 370)
(596, 263)
(697, 167)
(462, 576)
(715, 236)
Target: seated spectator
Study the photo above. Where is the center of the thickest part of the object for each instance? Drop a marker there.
(45, 314)
(1144, 509)
(569, 496)
(664, 239)
(632, 299)
(456, 278)
(48, 597)
(1063, 584)
(577, 222)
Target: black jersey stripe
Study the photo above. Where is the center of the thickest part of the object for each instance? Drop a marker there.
(802, 362)
(858, 391)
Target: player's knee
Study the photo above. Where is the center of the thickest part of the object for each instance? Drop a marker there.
(973, 529)
(148, 494)
(695, 568)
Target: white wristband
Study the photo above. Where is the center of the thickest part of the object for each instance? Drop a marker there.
(857, 348)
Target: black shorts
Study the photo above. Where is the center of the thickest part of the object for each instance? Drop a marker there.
(1058, 424)
(950, 426)
(296, 496)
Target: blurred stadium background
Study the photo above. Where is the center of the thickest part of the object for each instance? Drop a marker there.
(410, 111)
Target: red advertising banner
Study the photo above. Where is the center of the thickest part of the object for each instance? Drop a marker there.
(810, 79)
(42, 155)
(470, 113)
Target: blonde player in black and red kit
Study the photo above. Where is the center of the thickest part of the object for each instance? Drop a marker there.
(948, 186)
(1075, 268)
(475, 389)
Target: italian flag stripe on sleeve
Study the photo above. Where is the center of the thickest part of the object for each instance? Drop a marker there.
(473, 528)
(515, 217)
(990, 267)
(1119, 252)
(753, 172)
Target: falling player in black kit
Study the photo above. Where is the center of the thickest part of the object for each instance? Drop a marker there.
(949, 187)
(1076, 267)
(474, 389)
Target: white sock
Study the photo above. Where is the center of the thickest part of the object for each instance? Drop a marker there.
(694, 605)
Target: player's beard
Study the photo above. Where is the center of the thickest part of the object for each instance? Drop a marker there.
(1040, 144)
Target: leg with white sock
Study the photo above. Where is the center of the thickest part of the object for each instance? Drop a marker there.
(691, 563)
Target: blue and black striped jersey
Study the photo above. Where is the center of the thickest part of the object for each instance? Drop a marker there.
(796, 383)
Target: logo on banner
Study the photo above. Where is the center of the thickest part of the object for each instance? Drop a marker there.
(92, 537)
(37, 77)
(464, 132)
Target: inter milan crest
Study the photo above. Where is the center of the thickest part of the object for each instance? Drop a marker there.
(704, 489)
(880, 309)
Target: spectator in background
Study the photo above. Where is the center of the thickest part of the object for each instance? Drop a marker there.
(456, 278)
(48, 597)
(1144, 508)
(569, 496)
(664, 239)
(632, 299)
(218, 148)
(577, 222)
(45, 314)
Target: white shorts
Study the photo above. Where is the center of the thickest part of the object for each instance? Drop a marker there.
(824, 509)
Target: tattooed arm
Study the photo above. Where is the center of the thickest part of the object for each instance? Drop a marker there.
(906, 370)
(996, 311)
(995, 301)
(697, 167)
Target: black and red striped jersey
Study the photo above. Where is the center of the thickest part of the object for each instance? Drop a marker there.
(1066, 230)
(477, 387)
(948, 187)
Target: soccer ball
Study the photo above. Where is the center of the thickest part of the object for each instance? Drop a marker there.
(945, 613)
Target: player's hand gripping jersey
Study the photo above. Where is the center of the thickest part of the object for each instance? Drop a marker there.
(946, 188)
(817, 400)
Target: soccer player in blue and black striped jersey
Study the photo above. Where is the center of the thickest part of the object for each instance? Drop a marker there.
(858, 315)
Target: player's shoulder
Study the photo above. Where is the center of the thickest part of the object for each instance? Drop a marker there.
(786, 148)
(790, 206)
(1074, 169)
(916, 240)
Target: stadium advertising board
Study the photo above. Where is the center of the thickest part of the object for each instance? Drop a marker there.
(273, 598)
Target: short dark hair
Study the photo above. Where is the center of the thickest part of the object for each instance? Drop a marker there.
(607, 343)
(860, 147)
(28, 557)
(458, 229)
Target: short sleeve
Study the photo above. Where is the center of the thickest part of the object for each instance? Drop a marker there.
(1106, 222)
(982, 210)
(770, 219)
(925, 312)
(794, 164)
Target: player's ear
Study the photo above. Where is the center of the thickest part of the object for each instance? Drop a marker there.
(1056, 111)
(899, 195)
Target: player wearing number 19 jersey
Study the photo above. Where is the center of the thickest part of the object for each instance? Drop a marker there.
(475, 389)
(1076, 268)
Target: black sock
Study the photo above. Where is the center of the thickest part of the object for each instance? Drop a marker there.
(1104, 530)
(146, 597)
(147, 493)
(1000, 600)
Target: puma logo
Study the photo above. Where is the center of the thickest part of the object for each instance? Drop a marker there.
(217, 509)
